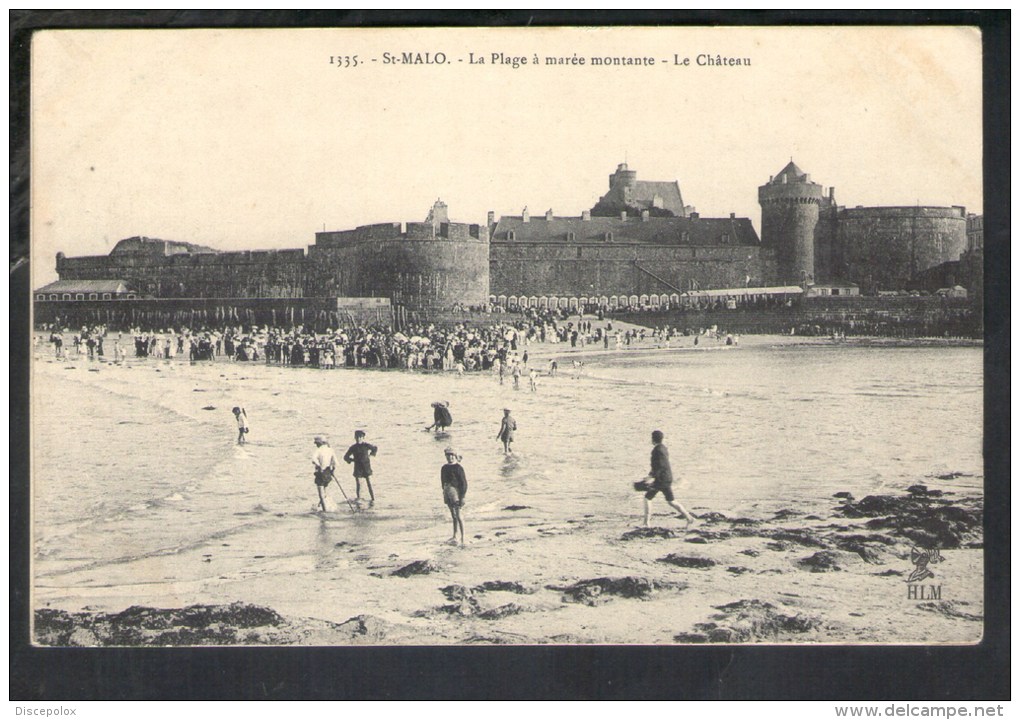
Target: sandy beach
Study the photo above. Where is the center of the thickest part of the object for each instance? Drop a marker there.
(152, 528)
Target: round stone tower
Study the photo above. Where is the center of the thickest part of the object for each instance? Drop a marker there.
(789, 215)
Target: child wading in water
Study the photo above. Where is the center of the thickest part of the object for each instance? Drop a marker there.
(454, 484)
(506, 431)
(242, 424)
(360, 453)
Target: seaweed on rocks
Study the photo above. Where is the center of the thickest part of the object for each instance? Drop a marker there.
(749, 621)
(599, 590)
(418, 567)
(821, 561)
(712, 517)
(696, 563)
(501, 612)
(737, 569)
(705, 536)
(925, 519)
(647, 533)
(504, 586)
(232, 624)
(950, 609)
(798, 536)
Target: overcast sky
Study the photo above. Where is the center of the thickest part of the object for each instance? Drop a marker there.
(252, 139)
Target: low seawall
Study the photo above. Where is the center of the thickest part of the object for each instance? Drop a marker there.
(883, 316)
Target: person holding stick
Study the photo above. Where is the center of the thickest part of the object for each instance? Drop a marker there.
(454, 483)
(324, 462)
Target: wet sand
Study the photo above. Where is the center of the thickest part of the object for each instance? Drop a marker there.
(816, 569)
(841, 578)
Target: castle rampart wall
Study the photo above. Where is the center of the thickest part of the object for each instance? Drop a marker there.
(586, 269)
(245, 274)
(882, 248)
(415, 272)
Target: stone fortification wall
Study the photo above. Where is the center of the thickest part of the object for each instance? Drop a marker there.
(428, 265)
(246, 274)
(583, 270)
(882, 248)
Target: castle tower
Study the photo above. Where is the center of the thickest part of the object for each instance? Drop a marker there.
(624, 180)
(789, 216)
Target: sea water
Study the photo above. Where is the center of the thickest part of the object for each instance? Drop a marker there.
(135, 465)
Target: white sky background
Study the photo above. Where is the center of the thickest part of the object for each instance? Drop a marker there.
(250, 139)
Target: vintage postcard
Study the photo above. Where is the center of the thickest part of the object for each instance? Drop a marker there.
(507, 336)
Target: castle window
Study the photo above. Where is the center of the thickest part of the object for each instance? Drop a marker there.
(609, 237)
(93, 296)
(511, 235)
(40, 297)
(578, 252)
(685, 237)
(67, 296)
(106, 296)
(53, 296)
(725, 239)
(571, 236)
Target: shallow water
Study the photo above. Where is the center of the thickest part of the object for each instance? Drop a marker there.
(130, 470)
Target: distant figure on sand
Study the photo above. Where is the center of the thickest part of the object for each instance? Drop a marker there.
(441, 416)
(533, 379)
(454, 484)
(242, 424)
(360, 453)
(516, 372)
(662, 481)
(324, 461)
(506, 431)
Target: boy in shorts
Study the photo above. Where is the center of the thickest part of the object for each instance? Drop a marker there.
(662, 481)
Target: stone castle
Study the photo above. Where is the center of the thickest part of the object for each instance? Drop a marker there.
(638, 244)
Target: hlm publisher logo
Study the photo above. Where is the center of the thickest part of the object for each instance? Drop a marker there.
(921, 559)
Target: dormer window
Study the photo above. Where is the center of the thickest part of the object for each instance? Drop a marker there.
(685, 237)
(571, 237)
(609, 236)
(511, 235)
(726, 239)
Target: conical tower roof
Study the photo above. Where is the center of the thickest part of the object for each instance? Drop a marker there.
(792, 173)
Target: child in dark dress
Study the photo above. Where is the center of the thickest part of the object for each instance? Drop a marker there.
(454, 484)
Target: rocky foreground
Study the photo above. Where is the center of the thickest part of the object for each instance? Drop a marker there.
(789, 577)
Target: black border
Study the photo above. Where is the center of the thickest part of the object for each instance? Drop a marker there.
(938, 673)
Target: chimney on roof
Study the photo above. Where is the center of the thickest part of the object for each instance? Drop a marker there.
(549, 214)
(695, 216)
(733, 216)
(645, 215)
(525, 215)
(807, 177)
(623, 214)
(586, 215)
(490, 218)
